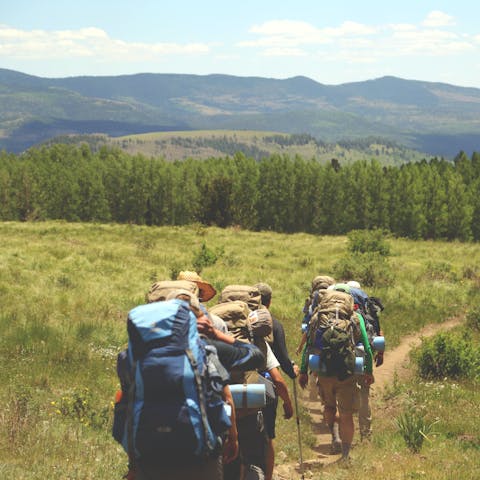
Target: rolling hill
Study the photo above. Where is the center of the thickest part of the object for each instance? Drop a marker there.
(435, 118)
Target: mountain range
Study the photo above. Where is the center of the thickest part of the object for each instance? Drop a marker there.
(436, 118)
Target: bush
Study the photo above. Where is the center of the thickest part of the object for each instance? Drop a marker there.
(370, 269)
(473, 319)
(205, 257)
(368, 241)
(414, 429)
(448, 355)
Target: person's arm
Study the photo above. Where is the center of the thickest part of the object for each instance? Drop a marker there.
(282, 391)
(280, 349)
(230, 447)
(239, 355)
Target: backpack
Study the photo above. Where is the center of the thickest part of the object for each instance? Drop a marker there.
(174, 408)
(367, 306)
(246, 326)
(160, 291)
(249, 321)
(319, 286)
(334, 333)
(245, 293)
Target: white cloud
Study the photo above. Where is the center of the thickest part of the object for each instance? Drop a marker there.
(289, 33)
(431, 42)
(284, 52)
(354, 42)
(85, 42)
(436, 18)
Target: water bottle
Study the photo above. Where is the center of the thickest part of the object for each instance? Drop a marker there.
(379, 344)
(359, 358)
(315, 364)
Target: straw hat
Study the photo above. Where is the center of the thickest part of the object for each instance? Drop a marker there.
(206, 290)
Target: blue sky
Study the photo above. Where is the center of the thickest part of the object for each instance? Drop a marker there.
(332, 41)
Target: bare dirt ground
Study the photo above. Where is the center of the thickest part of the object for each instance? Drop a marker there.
(396, 365)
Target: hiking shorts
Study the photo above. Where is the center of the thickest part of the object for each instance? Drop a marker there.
(341, 394)
(270, 417)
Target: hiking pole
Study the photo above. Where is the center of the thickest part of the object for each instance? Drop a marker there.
(298, 426)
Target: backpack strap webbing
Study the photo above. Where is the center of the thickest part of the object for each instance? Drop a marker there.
(201, 397)
(130, 404)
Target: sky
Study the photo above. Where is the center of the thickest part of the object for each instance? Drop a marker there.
(332, 42)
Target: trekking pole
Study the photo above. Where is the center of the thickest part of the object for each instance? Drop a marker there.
(298, 426)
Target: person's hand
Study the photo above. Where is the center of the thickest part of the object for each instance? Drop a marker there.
(296, 370)
(368, 379)
(287, 410)
(379, 359)
(303, 380)
(205, 326)
(230, 448)
(130, 475)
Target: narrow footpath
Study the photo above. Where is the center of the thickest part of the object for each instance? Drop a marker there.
(396, 364)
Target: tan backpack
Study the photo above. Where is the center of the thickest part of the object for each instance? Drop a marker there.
(246, 293)
(160, 291)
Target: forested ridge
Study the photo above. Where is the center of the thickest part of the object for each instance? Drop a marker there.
(431, 199)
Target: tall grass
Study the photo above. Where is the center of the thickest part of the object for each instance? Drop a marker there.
(65, 292)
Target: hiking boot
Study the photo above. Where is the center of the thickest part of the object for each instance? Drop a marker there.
(336, 447)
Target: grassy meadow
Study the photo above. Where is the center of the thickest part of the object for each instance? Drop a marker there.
(65, 291)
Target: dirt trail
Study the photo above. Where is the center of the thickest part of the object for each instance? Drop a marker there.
(396, 364)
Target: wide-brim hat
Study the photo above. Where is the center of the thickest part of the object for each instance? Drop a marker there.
(206, 291)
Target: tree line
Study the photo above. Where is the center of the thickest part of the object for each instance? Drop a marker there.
(431, 199)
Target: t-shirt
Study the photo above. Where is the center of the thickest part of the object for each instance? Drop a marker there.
(272, 361)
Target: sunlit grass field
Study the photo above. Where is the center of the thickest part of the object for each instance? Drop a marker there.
(65, 291)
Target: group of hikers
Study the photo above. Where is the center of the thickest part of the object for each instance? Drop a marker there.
(200, 385)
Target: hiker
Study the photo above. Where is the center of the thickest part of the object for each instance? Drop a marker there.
(279, 349)
(367, 311)
(247, 319)
(213, 382)
(319, 285)
(206, 291)
(334, 331)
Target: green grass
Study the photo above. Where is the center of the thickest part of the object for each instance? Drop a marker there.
(66, 290)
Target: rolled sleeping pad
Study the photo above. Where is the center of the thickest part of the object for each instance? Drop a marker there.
(379, 344)
(315, 364)
(359, 361)
(250, 395)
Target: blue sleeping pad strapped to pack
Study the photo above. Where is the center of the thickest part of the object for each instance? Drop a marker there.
(169, 399)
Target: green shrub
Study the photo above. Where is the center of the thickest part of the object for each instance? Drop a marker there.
(368, 241)
(414, 429)
(370, 269)
(448, 355)
(473, 319)
(205, 257)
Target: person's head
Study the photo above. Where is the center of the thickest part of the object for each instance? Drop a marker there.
(353, 284)
(206, 291)
(266, 293)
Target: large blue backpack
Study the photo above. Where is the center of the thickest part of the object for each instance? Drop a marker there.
(174, 409)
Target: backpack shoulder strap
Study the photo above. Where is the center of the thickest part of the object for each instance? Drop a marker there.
(201, 398)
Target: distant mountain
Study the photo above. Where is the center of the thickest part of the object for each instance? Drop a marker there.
(436, 118)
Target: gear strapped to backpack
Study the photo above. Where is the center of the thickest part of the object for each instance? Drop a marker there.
(248, 321)
(367, 306)
(334, 333)
(174, 408)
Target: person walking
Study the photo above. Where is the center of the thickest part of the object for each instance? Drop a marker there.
(279, 349)
(335, 321)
